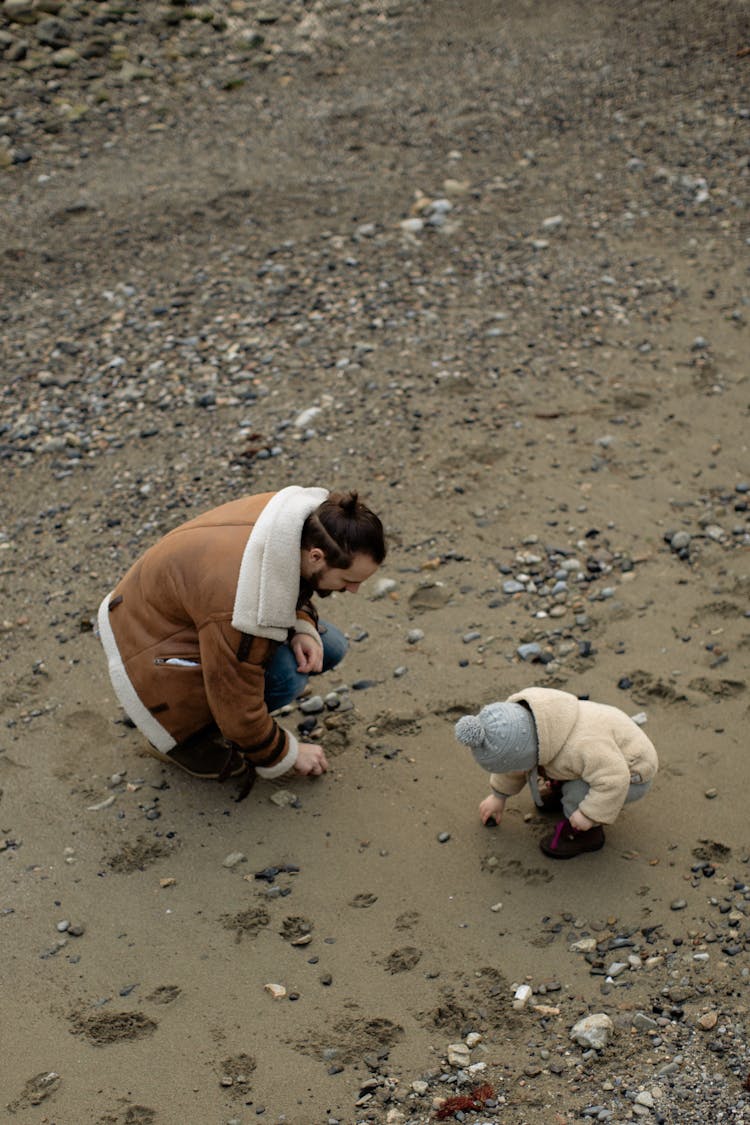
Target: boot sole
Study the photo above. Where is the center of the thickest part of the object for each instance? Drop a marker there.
(201, 776)
(570, 855)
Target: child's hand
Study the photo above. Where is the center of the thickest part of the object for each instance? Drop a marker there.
(491, 809)
(580, 821)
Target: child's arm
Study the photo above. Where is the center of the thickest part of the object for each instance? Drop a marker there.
(492, 808)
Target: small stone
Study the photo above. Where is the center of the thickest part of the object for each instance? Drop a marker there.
(276, 990)
(312, 706)
(678, 904)
(383, 587)
(708, 1020)
(583, 945)
(513, 586)
(593, 1031)
(458, 1054)
(233, 859)
(711, 793)
(443, 837)
(521, 996)
(283, 798)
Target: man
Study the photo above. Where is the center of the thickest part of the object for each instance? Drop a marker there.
(213, 628)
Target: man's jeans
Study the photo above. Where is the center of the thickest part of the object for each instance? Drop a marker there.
(284, 683)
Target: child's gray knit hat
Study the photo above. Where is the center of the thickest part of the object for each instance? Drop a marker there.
(502, 737)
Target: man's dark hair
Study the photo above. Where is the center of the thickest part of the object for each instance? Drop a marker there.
(342, 527)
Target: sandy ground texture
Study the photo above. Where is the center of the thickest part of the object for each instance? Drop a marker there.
(488, 263)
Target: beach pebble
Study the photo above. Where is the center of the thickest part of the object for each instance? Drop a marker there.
(312, 706)
(513, 586)
(583, 945)
(593, 1031)
(233, 859)
(382, 587)
(521, 996)
(458, 1054)
(276, 990)
(284, 798)
(680, 541)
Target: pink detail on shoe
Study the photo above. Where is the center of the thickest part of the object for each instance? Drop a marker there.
(559, 829)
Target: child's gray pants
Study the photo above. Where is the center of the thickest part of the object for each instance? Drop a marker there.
(573, 793)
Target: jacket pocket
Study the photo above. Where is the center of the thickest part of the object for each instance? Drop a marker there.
(177, 661)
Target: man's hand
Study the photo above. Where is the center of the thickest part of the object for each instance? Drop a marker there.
(311, 761)
(308, 653)
(491, 809)
(580, 821)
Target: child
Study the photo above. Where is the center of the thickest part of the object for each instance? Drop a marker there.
(588, 758)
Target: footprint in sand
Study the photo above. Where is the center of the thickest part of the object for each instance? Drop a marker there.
(296, 930)
(105, 1028)
(164, 994)
(407, 920)
(402, 960)
(363, 901)
(247, 923)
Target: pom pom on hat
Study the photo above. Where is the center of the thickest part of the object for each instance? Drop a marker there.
(502, 737)
(470, 731)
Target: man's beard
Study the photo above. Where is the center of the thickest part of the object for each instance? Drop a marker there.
(313, 583)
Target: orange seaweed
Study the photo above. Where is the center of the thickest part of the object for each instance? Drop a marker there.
(474, 1100)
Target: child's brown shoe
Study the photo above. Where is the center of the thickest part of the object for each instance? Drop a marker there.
(567, 841)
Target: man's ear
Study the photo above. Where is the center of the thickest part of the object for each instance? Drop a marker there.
(316, 555)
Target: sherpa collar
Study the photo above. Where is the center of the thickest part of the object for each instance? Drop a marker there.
(268, 586)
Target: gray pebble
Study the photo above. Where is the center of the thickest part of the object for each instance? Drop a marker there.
(312, 706)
